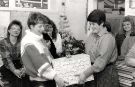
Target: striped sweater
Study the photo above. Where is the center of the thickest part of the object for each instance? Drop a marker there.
(36, 57)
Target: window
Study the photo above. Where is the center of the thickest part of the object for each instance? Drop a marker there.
(132, 3)
(112, 6)
(40, 4)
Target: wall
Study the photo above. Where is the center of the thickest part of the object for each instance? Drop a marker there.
(4, 21)
(128, 10)
(115, 22)
(23, 16)
(76, 13)
(92, 4)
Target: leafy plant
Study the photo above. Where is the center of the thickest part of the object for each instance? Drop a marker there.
(70, 44)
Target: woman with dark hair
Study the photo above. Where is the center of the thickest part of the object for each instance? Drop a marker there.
(53, 39)
(101, 47)
(13, 71)
(50, 45)
(55, 36)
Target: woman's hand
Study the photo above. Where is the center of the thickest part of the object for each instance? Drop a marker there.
(17, 72)
(48, 44)
(1, 83)
(133, 74)
(121, 58)
(82, 78)
(60, 82)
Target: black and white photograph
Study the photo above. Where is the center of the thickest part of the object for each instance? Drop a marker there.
(67, 43)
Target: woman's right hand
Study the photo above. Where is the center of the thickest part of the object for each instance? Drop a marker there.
(17, 72)
(48, 44)
(1, 83)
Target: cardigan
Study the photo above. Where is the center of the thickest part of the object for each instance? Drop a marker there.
(127, 45)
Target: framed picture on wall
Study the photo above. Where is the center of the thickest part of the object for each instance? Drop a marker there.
(40, 4)
(4, 3)
(132, 4)
(116, 7)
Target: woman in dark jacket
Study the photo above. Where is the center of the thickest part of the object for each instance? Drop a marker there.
(50, 44)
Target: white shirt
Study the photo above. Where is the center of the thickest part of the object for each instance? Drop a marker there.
(58, 44)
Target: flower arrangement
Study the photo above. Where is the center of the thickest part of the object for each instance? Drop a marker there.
(71, 46)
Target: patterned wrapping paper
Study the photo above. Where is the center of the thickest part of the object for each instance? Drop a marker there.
(67, 68)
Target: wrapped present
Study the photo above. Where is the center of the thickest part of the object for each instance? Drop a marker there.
(67, 68)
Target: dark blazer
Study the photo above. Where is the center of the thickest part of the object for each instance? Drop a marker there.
(52, 48)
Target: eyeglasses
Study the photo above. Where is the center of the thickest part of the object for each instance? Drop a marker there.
(48, 28)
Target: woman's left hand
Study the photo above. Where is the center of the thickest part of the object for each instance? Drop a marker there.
(48, 44)
(82, 78)
(22, 72)
(1, 83)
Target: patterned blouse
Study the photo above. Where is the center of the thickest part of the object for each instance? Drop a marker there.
(10, 54)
